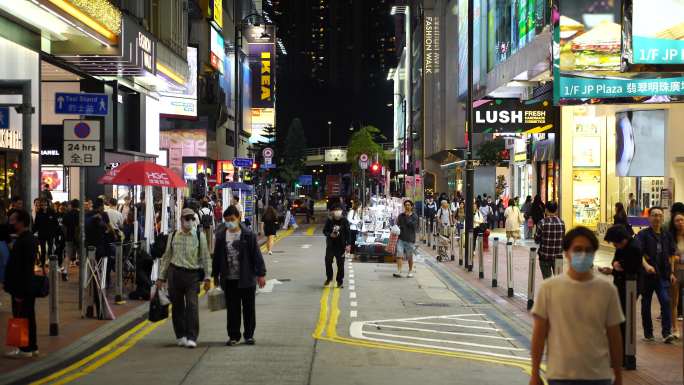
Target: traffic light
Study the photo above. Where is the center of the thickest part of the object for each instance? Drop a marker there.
(375, 168)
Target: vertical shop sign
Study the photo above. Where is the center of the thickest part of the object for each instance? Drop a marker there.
(432, 44)
(261, 63)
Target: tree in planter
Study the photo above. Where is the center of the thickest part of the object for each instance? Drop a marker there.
(491, 152)
(294, 153)
(365, 141)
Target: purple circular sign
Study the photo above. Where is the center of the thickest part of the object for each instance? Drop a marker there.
(82, 130)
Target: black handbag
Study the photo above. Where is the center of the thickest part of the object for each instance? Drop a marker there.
(158, 312)
(40, 286)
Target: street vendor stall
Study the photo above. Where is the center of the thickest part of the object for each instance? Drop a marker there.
(373, 236)
(245, 193)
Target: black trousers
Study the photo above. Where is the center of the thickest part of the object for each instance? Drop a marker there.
(239, 304)
(338, 255)
(45, 249)
(27, 309)
(183, 293)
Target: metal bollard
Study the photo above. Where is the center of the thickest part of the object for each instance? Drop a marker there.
(495, 263)
(530, 278)
(119, 299)
(423, 229)
(54, 296)
(452, 237)
(470, 252)
(435, 235)
(558, 266)
(460, 251)
(630, 321)
(480, 256)
(429, 234)
(509, 268)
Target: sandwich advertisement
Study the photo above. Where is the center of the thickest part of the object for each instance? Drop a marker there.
(657, 36)
(588, 49)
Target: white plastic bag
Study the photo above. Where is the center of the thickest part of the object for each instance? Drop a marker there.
(216, 299)
(163, 295)
(395, 230)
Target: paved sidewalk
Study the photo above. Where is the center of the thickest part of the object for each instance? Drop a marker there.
(657, 363)
(71, 326)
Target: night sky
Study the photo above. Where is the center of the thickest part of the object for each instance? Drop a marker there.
(339, 53)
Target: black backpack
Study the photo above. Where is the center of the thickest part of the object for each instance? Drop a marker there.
(206, 220)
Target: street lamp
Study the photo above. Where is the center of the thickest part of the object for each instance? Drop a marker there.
(238, 78)
(329, 133)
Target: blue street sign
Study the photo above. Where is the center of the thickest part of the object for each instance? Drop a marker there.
(243, 162)
(305, 180)
(268, 166)
(4, 117)
(81, 104)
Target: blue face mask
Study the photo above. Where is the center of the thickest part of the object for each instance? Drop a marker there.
(231, 225)
(582, 262)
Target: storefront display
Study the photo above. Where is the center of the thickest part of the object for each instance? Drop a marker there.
(586, 192)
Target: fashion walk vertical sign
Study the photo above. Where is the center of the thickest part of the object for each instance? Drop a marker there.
(432, 85)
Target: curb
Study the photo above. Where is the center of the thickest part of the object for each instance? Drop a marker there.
(77, 350)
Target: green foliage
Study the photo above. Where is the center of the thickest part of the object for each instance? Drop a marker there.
(365, 141)
(489, 152)
(294, 154)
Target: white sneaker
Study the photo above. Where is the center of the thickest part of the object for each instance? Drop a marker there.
(270, 252)
(182, 342)
(191, 344)
(18, 353)
(409, 275)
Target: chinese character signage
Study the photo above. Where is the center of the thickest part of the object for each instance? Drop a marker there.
(658, 36)
(82, 143)
(215, 11)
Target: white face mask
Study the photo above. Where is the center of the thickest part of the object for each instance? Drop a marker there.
(187, 225)
(337, 214)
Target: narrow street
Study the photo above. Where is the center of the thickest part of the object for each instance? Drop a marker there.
(377, 329)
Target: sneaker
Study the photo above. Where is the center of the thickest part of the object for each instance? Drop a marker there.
(340, 285)
(649, 338)
(409, 275)
(249, 341)
(396, 275)
(191, 344)
(182, 342)
(231, 342)
(270, 252)
(669, 339)
(18, 353)
(680, 318)
(65, 277)
(327, 282)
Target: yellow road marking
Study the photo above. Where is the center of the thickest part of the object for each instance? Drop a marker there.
(113, 349)
(331, 331)
(322, 314)
(310, 230)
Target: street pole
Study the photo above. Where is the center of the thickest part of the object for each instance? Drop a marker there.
(363, 188)
(238, 118)
(82, 246)
(470, 169)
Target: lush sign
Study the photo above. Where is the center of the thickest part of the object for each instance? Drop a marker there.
(512, 116)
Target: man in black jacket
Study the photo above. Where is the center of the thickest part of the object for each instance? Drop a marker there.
(658, 249)
(338, 241)
(19, 279)
(45, 225)
(238, 267)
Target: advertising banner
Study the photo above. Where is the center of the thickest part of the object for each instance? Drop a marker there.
(637, 133)
(181, 100)
(262, 62)
(513, 116)
(588, 50)
(657, 36)
(218, 51)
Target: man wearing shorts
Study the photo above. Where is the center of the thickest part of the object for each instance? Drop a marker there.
(408, 224)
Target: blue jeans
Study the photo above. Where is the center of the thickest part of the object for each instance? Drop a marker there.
(580, 382)
(660, 287)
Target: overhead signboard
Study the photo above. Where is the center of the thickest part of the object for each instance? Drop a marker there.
(657, 36)
(305, 180)
(336, 155)
(215, 11)
(262, 58)
(512, 116)
(4, 118)
(81, 104)
(82, 143)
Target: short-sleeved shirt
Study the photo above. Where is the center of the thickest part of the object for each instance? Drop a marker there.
(579, 313)
(233, 254)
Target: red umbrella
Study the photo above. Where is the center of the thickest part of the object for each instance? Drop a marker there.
(142, 173)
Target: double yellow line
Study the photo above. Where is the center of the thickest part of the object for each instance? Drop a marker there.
(326, 330)
(116, 348)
